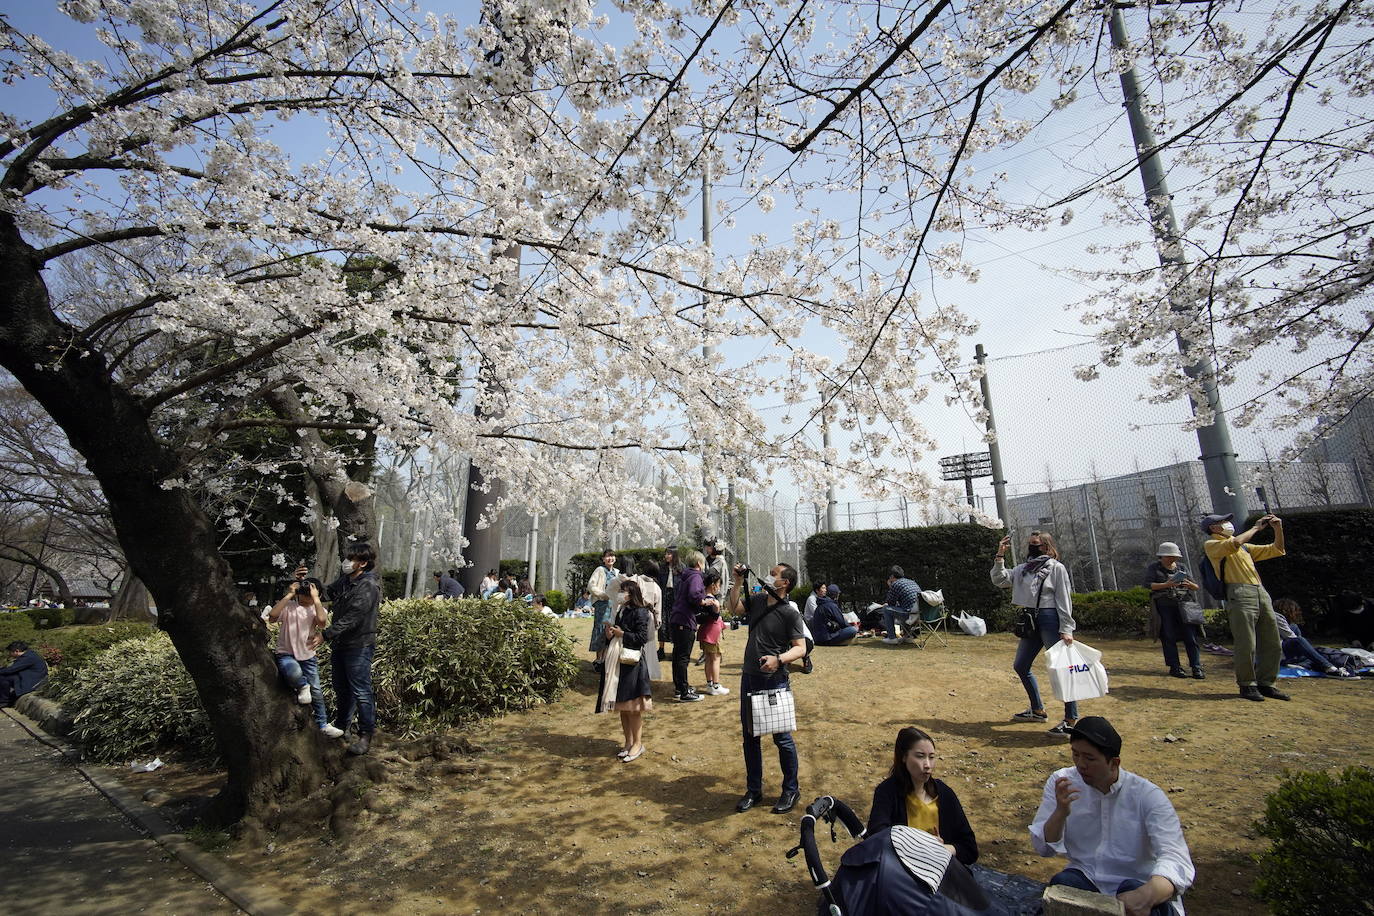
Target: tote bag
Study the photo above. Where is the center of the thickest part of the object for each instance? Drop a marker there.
(772, 711)
(1076, 671)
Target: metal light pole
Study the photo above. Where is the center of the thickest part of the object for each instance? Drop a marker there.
(999, 480)
(1218, 455)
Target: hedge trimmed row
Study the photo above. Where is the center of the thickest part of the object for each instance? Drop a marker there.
(955, 558)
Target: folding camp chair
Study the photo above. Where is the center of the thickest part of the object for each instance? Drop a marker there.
(933, 624)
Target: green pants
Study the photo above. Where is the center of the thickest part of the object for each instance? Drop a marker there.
(1253, 625)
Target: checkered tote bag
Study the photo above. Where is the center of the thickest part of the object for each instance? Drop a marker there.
(772, 711)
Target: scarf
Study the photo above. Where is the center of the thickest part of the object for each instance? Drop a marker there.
(1033, 567)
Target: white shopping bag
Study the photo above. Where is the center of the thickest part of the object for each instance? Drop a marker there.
(933, 597)
(1076, 671)
(970, 624)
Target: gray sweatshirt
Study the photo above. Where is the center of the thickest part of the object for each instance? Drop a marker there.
(1057, 592)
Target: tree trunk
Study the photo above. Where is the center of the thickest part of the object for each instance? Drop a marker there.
(59, 582)
(131, 601)
(270, 749)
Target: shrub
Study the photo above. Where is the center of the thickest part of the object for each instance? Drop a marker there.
(1326, 552)
(516, 569)
(556, 601)
(1124, 612)
(134, 700)
(49, 618)
(393, 583)
(443, 663)
(15, 626)
(1321, 855)
(955, 558)
(78, 645)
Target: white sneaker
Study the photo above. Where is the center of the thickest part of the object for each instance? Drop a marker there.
(891, 641)
(304, 695)
(718, 690)
(331, 731)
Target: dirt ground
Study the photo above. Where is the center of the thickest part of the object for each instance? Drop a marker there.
(545, 819)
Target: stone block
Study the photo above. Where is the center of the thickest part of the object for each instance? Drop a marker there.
(47, 713)
(1070, 901)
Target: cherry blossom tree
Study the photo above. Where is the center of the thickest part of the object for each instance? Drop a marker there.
(362, 220)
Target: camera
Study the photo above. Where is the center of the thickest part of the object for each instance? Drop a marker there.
(742, 570)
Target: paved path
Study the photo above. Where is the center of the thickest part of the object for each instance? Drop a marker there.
(64, 849)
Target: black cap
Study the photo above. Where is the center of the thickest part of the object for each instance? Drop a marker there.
(1098, 732)
(1209, 520)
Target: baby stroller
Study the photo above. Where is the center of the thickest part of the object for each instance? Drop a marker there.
(899, 871)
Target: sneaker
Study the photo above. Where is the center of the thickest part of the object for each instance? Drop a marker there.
(717, 690)
(891, 641)
(1030, 715)
(331, 731)
(1062, 729)
(689, 697)
(303, 695)
(1273, 693)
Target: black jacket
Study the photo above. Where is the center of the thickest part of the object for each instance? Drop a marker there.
(354, 603)
(27, 672)
(889, 807)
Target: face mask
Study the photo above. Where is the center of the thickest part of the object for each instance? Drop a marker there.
(347, 567)
(1035, 550)
(769, 580)
(1228, 529)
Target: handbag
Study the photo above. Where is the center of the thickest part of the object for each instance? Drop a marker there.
(772, 711)
(629, 656)
(1025, 624)
(1192, 613)
(1076, 671)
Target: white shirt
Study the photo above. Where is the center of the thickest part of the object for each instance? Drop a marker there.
(1131, 831)
(810, 610)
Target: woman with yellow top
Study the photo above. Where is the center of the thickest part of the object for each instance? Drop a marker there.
(911, 795)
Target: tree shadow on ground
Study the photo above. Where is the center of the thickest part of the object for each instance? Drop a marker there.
(998, 734)
(1132, 692)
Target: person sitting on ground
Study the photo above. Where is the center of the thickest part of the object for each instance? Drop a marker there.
(537, 604)
(1118, 830)
(903, 599)
(445, 586)
(710, 631)
(23, 674)
(488, 584)
(817, 593)
(828, 626)
(583, 607)
(911, 795)
(1296, 649)
(302, 617)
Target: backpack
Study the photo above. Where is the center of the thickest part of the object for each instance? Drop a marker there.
(1211, 580)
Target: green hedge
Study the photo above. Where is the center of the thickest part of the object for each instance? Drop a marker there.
(1327, 551)
(556, 601)
(444, 663)
(50, 618)
(955, 558)
(72, 648)
(516, 569)
(134, 700)
(1321, 854)
(15, 625)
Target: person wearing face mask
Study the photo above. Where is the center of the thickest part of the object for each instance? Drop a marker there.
(352, 637)
(1169, 584)
(1253, 624)
(1040, 585)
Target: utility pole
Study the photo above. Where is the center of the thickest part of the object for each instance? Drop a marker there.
(830, 480)
(999, 480)
(1218, 455)
(534, 551)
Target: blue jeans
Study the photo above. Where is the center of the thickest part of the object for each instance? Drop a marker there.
(1046, 634)
(753, 749)
(1300, 650)
(299, 672)
(841, 636)
(353, 688)
(892, 616)
(1072, 877)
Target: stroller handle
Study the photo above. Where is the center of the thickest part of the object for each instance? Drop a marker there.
(825, 808)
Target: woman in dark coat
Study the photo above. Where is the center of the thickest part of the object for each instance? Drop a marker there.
(634, 624)
(912, 795)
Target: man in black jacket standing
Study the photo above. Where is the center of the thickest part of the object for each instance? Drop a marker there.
(354, 598)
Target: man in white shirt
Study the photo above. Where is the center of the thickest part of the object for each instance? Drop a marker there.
(817, 593)
(1118, 830)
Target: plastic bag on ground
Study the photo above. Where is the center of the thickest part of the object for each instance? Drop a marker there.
(971, 624)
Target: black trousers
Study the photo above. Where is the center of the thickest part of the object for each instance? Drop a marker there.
(683, 640)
